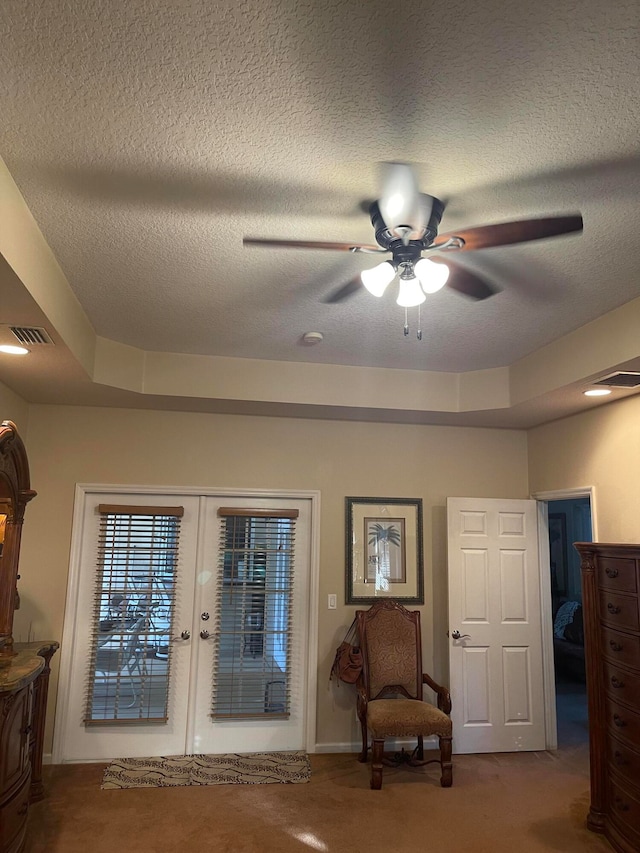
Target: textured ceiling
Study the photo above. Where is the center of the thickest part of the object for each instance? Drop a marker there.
(149, 137)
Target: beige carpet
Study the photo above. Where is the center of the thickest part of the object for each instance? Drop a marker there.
(509, 803)
(257, 768)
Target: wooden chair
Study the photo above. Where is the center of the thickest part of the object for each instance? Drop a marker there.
(390, 703)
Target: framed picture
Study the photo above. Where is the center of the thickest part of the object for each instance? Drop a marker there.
(384, 550)
(558, 553)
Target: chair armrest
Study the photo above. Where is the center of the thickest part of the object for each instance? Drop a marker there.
(444, 697)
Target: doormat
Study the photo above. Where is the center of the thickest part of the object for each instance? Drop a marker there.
(255, 768)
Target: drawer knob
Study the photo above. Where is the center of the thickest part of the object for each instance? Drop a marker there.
(620, 804)
(615, 682)
(618, 721)
(617, 647)
(613, 608)
(619, 758)
(611, 573)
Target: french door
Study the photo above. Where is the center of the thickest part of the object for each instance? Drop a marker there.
(234, 608)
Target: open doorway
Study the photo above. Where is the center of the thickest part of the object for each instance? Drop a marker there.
(570, 521)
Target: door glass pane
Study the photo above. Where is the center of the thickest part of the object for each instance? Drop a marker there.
(133, 616)
(253, 618)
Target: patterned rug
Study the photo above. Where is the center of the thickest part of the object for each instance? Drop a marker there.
(256, 768)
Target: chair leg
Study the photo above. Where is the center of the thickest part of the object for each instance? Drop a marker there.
(376, 764)
(362, 758)
(446, 779)
(420, 749)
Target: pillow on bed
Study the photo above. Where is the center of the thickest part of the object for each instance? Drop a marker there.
(574, 630)
(564, 616)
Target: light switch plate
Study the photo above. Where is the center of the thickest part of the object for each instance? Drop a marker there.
(332, 601)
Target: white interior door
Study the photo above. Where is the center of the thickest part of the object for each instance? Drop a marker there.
(258, 662)
(496, 673)
(81, 742)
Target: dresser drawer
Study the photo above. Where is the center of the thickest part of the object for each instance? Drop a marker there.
(624, 807)
(622, 722)
(621, 648)
(623, 758)
(619, 611)
(621, 685)
(618, 574)
(13, 817)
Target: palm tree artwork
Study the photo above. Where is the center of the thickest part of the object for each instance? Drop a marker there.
(385, 555)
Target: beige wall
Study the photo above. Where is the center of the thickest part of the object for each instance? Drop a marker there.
(600, 448)
(69, 445)
(14, 408)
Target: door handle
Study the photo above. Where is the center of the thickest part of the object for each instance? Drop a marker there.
(185, 635)
(205, 635)
(456, 635)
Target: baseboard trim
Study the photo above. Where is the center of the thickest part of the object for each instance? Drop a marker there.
(47, 758)
(356, 746)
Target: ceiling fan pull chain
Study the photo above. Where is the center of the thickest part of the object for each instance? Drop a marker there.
(419, 332)
(406, 323)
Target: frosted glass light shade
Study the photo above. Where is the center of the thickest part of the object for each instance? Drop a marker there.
(410, 293)
(377, 279)
(432, 276)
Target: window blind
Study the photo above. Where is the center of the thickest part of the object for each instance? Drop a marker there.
(135, 589)
(253, 617)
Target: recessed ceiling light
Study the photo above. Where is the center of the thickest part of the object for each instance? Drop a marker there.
(597, 392)
(10, 349)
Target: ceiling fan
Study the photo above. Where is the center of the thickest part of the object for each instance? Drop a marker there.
(405, 223)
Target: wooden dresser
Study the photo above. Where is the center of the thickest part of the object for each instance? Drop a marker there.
(611, 606)
(24, 668)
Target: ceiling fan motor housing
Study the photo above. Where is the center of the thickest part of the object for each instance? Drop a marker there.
(390, 241)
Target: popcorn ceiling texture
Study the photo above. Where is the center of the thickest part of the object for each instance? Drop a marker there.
(149, 137)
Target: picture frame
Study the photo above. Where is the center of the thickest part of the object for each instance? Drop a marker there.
(558, 553)
(384, 556)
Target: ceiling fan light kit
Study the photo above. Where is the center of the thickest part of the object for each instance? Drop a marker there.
(377, 279)
(405, 222)
(410, 294)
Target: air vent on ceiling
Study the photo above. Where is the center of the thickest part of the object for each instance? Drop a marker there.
(621, 379)
(31, 335)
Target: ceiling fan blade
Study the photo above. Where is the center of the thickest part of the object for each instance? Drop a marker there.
(345, 291)
(310, 244)
(508, 233)
(464, 281)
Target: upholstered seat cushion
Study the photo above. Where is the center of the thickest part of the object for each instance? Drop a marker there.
(406, 718)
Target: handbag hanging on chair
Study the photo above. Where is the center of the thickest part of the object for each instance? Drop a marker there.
(347, 664)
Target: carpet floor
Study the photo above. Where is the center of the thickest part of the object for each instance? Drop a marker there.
(529, 802)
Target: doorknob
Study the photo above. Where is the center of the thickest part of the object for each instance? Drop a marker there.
(456, 635)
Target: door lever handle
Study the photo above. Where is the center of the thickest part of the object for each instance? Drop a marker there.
(185, 635)
(456, 635)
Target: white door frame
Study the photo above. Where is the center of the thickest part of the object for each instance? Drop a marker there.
(69, 631)
(551, 721)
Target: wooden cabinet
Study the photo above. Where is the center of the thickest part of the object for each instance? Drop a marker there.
(611, 605)
(24, 669)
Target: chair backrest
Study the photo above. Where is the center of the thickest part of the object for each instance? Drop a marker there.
(389, 637)
(114, 658)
